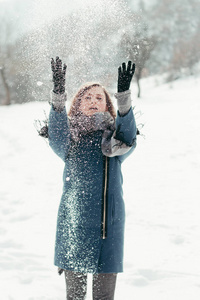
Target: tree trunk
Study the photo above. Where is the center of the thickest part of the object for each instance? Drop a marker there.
(138, 74)
(138, 84)
(7, 99)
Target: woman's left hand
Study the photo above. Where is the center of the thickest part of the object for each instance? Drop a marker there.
(125, 76)
(58, 75)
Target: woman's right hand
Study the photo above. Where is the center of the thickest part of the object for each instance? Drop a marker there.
(58, 75)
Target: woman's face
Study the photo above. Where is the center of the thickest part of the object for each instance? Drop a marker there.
(94, 100)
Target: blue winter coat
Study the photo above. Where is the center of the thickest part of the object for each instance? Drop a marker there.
(79, 244)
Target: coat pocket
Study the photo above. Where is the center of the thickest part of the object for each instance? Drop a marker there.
(112, 209)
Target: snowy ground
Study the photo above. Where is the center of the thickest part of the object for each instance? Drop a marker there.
(162, 195)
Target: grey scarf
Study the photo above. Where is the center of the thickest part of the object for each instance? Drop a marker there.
(81, 125)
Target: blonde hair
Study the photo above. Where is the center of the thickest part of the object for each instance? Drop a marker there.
(76, 101)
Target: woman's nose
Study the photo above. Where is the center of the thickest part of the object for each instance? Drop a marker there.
(93, 99)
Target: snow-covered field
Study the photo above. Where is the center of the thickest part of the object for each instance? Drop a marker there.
(161, 191)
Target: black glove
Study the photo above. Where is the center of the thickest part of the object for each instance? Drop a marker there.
(125, 76)
(58, 75)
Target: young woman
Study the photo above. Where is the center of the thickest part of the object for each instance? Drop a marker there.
(93, 142)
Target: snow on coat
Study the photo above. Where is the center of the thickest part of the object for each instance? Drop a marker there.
(79, 245)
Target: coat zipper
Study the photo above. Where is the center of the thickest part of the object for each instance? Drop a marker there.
(104, 198)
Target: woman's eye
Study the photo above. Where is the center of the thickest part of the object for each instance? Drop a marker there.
(99, 98)
(87, 98)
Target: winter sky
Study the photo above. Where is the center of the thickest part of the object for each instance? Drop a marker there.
(28, 14)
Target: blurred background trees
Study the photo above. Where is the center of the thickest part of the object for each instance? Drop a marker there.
(7, 62)
(161, 37)
(176, 25)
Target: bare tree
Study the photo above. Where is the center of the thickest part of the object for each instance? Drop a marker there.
(6, 86)
(8, 63)
(137, 46)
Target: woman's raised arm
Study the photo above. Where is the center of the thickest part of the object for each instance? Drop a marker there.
(58, 127)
